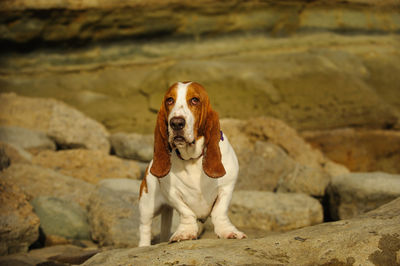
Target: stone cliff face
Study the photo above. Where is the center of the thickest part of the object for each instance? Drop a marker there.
(334, 65)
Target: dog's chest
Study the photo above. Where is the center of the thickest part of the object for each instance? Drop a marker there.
(190, 185)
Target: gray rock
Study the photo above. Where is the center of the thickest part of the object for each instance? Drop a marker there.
(371, 239)
(35, 181)
(133, 146)
(270, 211)
(30, 140)
(114, 213)
(19, 226)
(62, 218)
(357, 193)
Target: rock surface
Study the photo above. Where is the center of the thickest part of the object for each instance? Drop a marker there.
(15, 154)
(55, 255)
(67, 126)
(19, 226)
(272, 156)
(26, 139)
(133, 146)
(269, 211)
(35, 181)
(356, 193)
(88, 165)
(373, 239)
(279, 77)
(61, 218)
(359, 150)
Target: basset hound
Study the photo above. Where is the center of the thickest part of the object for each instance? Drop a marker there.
(194, 168)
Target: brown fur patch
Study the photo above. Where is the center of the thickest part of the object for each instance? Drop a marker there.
(143, 185)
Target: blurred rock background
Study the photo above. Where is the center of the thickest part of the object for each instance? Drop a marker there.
(308, 93)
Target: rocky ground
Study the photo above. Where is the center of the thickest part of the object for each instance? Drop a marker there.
(307, 91)
(66, 197)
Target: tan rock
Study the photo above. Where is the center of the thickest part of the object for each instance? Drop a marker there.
(359, 150)
(19, 225)
(88, 165)
(270, 211)
(35, 181)
(15, 154)
(371, 239)
(272, 156)
(67, 126)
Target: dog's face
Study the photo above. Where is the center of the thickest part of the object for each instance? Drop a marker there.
(186, 115)
(185, 105)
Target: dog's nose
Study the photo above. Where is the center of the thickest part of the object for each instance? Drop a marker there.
(177, 123)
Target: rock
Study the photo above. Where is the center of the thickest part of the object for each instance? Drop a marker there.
(93, 20)
(359, 150)
(19, 226)
(62, 218)
(88, 165)
(269, 211)
(114, 213)
(133, 146)
(357, 193)
(29, 140)
(304, 179)
(373, 238)
(15, 154)
(66, 126)
(265, 76)
(56, 255)
(272, 156)
(35, 181)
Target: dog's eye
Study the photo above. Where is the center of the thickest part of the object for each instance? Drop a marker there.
(170, 101)
(194, 101)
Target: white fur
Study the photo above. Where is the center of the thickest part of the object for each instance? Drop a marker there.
(188, 189)
(181, 109)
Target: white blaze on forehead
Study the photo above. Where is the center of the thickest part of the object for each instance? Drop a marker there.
(181, 109)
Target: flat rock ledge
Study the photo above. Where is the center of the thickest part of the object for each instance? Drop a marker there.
(370, 239)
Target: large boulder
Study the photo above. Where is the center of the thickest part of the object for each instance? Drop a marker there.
(356, 193)
(88, 165)
(359, 150)
(268, 211)
(67, 126)
(35, 181)
(26, 139)
(61, 218)
(371, 239)
(19, 226)
(272, 156)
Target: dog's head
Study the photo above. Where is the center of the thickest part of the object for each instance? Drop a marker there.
(185, 116)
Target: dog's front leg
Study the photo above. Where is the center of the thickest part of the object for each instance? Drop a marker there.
(219, 216)
(188, 228)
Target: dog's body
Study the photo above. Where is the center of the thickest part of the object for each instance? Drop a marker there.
(194, 168)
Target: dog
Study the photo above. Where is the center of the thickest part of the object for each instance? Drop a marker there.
(194, 168)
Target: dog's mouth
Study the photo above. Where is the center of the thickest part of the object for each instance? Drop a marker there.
(179, 139)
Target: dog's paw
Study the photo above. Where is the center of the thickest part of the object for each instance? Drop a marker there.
(181, 236)
(184, 233)
(234, 234)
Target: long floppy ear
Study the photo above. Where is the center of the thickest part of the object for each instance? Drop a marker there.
(161, 158)
(212, 160)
